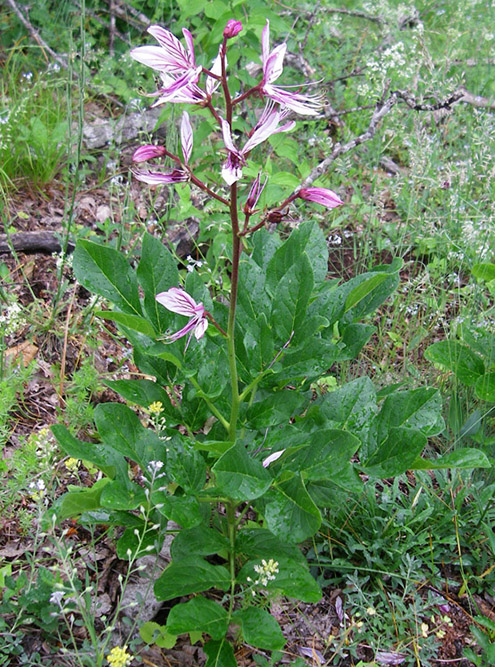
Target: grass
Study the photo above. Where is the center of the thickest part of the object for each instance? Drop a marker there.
(394, 550)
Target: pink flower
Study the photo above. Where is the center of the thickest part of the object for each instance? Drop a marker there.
(321, 196)
(307, 105)
(254, 194)
(232, 28)
(170, 56)
(267, 125)
(148, 152)
(177, 66)
(272, 457)
(178, 301)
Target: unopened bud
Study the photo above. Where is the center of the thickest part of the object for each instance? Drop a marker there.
(148, 152)
(232, 28)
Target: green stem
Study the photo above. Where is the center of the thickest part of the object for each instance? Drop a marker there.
(212, 407)
(231, 524)
(236, 253)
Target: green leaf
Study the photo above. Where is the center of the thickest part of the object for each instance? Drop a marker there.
(351, 408)
(154, 633)
(111, 463)
(291, 298)
(220, 654)
(364, 289)
(184, 510)
(74, 503)
(396, 454)
(265, 245)
(144, 393)
(185, 465)
(156, 272)
(420, 409)
(134, 322)
(460, 458)
(485, 387)
(252, 297)
(290, 513)
(484, 271)
(198, 615)
(363, 294)
(259, 628)
(261, 543)
(120, 428)
(105, 271)
(190, 575)
(118, 495)
(293, 580)
(274, 409)
(463, 362)
(134, 545)
(198, 541)
(327, 458)
(239, 476)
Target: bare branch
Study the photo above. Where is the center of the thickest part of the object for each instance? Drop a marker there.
(382, 108)
(358, 14)
(35, 34)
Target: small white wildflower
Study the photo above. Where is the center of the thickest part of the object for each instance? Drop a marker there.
(56, 597)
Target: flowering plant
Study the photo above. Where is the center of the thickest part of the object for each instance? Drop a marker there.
(238, 450)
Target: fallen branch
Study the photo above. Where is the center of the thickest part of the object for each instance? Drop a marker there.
(31, 242)
(382, 108)
(35, 35)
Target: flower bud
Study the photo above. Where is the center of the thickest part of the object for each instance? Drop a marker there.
(148, 152)
(232, 28)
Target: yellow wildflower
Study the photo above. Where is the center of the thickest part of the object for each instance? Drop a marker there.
(118, 657)
(155, 408)
(72, 464)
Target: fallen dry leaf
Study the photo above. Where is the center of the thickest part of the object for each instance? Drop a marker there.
(24, 352)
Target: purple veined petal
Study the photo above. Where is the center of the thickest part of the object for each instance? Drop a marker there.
(227, 138)
(148, 152)
(274, 64)
(266, 130)
(232, 169)
(161, 177)
(216, 68)
(179, 60)
(179, 301)
(190, 46)
(322, 196)
(188, 328)
(190, 77)
(254, 193)
(154, 57)
(305, 105)
(272, 457)
(265, 43)
(186, 137)
(189, 94)
(201, 327)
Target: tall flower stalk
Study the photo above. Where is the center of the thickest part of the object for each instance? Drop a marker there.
(181, 77)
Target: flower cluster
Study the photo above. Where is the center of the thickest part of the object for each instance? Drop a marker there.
(184, 81)
(37, 489)
(119, 657)
(12, 319)
(266, 572)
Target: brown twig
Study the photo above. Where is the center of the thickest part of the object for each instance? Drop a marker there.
(382, 108)
(35, 34)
